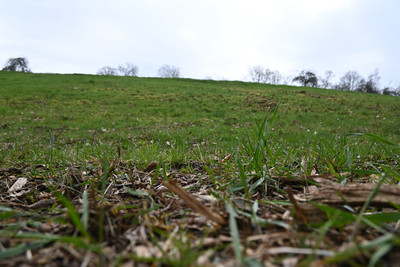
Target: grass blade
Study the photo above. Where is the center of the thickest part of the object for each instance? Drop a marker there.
(73, 214)
(242, 177)
(379, 253)
(365, 206)
(22, 248)
(234, 231)
(85, 212)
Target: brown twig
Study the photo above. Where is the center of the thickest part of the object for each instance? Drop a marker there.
(193, 203)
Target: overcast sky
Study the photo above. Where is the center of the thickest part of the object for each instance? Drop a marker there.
(206, 39)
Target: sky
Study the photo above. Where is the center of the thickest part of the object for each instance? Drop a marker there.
(217, 39)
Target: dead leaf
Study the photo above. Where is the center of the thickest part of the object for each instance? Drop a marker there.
(18, 185)
(150, 167)
(227, 158)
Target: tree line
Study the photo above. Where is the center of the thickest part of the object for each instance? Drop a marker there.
(350, 81)
(165, 71)
(21, 64)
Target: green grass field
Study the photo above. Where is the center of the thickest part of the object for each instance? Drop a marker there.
(252, 153)
(44, 108)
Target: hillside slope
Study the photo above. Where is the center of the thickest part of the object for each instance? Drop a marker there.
(196, 110)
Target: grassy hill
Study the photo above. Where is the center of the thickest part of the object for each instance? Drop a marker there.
(183, 111)
(83, 143)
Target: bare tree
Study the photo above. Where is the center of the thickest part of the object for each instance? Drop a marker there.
(17, 64)
(128, 70)
(260, 75)
(396, 92)
(391, 91)
(275, 77)
(107, 70)
(257, 74)
(167, 71)
(306, 78)
(272, 76)
(350, 81)
(325, 81)
(268, 76)
(372, 84)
